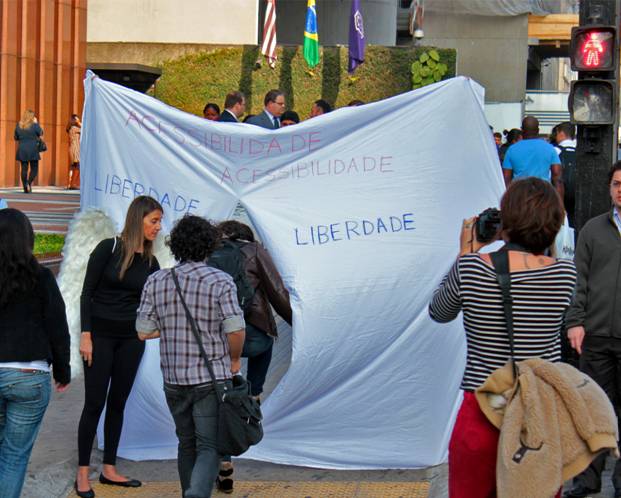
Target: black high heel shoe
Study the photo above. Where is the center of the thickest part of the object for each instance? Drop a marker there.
(83, 494)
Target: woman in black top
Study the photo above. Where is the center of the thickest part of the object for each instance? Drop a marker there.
(33, 335)
(116, 273)
(28, 135)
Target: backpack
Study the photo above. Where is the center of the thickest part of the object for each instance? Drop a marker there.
(230, 259)
(568, 160)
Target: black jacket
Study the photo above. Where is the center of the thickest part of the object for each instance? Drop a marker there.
(28, 143)
(597, 302)
(34, 327)
(227, 117)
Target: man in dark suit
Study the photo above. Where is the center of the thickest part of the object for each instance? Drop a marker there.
(234, 107)
(274, 102)
(320, 107)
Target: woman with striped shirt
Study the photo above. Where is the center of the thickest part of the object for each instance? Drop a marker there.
(541, 287)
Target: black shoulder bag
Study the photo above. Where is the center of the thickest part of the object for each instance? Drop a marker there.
(239, 414)
(500, 260)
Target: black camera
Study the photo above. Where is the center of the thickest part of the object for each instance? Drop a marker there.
(487, 225)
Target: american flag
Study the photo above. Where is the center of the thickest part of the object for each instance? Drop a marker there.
(268, 49)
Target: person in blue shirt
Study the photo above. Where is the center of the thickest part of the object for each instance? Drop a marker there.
(533, 156)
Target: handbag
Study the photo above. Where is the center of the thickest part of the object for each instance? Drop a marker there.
(564, 244)
(41, 145)
(239, 414)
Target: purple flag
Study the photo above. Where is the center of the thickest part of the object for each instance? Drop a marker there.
(356, 37)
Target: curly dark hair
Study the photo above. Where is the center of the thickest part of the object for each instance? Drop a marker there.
(19, 269)
(193, 239)
(236, 230)
(532, 213)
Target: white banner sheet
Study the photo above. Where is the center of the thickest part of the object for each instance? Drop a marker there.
(361, 210)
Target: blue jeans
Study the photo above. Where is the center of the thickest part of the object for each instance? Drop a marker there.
(24, 396)
(195, 412)
(258, 349)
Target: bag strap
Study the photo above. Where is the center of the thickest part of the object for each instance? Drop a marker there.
(500, 260)
(197, 336)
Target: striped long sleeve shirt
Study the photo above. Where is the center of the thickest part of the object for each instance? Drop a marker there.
(540, 298)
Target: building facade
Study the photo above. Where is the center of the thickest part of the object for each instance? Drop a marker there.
(42, 65)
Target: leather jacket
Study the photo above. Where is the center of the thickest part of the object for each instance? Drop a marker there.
(270, 289)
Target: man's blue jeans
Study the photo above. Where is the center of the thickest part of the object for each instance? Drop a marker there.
(24, 396)
(195, 412)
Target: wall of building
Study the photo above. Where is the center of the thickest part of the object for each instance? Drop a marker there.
(380, 21)
(229, 22)
(491, 50)
(42, 64)
(556, 75)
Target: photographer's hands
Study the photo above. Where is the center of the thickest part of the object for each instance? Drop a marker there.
(467, 239)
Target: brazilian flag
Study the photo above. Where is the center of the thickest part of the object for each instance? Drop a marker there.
(311, 38)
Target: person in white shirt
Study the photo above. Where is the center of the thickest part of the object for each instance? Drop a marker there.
(565, 137)
(566, 150)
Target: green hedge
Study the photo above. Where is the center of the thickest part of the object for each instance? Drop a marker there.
(48, 243)
(189, 82)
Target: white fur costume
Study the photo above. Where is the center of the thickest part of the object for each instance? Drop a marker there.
(86, 230)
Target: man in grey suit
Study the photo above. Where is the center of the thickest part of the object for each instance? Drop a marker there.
(274, 102)
(234, 107)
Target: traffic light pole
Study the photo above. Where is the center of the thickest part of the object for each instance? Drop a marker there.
(596, 147)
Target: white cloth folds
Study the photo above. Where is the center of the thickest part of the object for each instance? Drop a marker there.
(361, 210)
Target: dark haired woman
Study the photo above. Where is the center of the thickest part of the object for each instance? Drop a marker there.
(28, 134)
(513, 136)
(116, 273)
(33, 336)
(270, 291)
(211, 111)
(542, 288)
(74, 128)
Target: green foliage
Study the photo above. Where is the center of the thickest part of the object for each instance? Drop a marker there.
(48, 243)
(191, 81)
(429, 68)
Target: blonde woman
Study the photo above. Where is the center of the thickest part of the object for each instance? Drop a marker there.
(116, 273)
(74, 128)
(28, 134)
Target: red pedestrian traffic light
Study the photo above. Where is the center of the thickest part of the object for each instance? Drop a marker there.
(592, 48)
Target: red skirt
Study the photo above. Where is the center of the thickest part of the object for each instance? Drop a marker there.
(472, 453)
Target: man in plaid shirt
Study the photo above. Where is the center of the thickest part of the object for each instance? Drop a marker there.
(211, 297)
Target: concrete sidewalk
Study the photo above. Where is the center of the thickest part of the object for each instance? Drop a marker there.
(54, 461)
